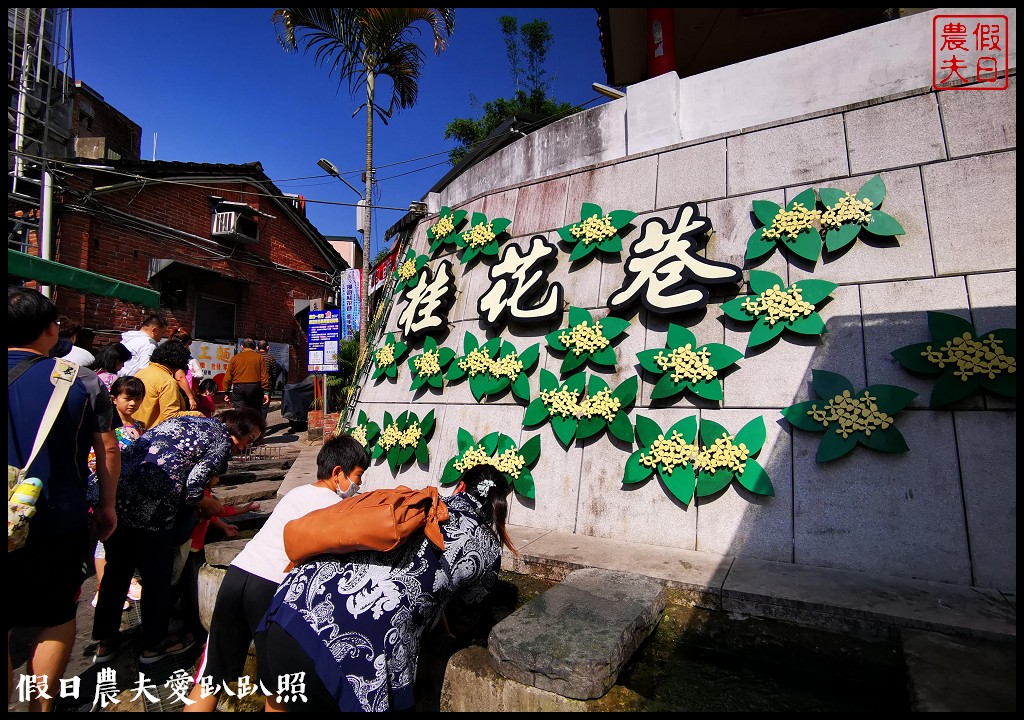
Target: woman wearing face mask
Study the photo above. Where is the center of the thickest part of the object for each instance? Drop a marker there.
(254, 574)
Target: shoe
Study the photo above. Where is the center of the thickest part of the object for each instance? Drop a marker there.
(107, 651)
(135, 591)
(169, 647)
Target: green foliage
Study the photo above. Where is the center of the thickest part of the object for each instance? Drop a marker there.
(534, 40)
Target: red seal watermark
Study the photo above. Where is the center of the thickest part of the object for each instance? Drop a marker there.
(970, 52)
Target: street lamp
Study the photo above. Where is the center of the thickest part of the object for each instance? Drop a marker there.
(332, 169)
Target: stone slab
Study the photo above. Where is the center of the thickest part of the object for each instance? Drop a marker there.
(988, 471)
(894, 134)
(541, 207)
(691, 174)
(574, 638)
(978, 122)
(949, 674)
(645, 513)
(738, 522)
(897, 514)
(733, 222)
(801, 152)
(972, 213)
(814, 596)
(471, 684)
(698, 574)
(628, 185)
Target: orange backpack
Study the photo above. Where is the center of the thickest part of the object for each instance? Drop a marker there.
(376, 520)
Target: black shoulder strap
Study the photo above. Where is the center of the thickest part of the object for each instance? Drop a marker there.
(16, 372)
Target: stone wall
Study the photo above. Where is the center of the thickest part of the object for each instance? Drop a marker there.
(944, 511)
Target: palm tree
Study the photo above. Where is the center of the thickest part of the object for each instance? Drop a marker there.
(362, 44)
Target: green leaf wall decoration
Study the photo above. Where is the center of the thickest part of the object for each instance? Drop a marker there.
(444, 230)
(387, 356)
(494, 366)
(407, 273)
(669, 454)
(404, 438)
(792, 228)
(586, 339)
(500, 451)
(683, 365)
(596, 231)
(775, 307)
(481, 237)
(687, 469)
(724, 458)
(846, 215)
(365, 431)
(963, 359)
(848, 417)
(799, 226)
(428, 368)
(580, 409)
(557, 403)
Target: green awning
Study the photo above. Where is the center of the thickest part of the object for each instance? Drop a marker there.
(48, 272)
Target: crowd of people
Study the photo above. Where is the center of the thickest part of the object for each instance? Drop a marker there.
(128, 471)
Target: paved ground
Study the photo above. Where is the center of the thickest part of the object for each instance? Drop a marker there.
(125, 667)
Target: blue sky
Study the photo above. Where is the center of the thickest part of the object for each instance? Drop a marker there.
(214, 86)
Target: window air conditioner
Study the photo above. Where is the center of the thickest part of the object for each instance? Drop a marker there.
(233, 225)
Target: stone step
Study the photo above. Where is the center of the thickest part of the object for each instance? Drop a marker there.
(957, 674)
(575, 637)
(236, 476)
(257, 490)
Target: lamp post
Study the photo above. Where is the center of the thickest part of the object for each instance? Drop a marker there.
(361, 213)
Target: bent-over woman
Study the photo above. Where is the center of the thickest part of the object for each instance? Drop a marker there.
(353, 623)
(162, 476)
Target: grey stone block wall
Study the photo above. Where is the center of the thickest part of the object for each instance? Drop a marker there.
(946, 510)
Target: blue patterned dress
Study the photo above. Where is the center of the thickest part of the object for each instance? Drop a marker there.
(166, 470)
(361, 616)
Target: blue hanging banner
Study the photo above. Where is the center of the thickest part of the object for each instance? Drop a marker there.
(349, 301)
(323, 339)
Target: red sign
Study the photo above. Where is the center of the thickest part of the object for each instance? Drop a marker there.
(970, 48)
(384, 269)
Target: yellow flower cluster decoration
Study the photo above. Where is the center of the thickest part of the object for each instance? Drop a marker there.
(848, 209)
(594, 229)
(602, 404)
(851, 414)
(584, 337)
(391, 436)
(359, 433)
(510, 461)
(385, 355)
(443, 227)
(407, 270)
(790, 223)
(723, 454)
(427, 364)
(479, 235)
(972, 357)
(779, 305)
(509, 366)
(561, 402)
(411, 436)
(670, 453)
(687, 364)
(476, 362)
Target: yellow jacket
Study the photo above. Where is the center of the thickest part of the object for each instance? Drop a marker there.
(163, 396)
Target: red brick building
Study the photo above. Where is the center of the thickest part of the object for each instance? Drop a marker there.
(229, 253)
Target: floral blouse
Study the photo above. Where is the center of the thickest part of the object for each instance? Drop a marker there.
(361, 616)
(127, 435)
(166, 470)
